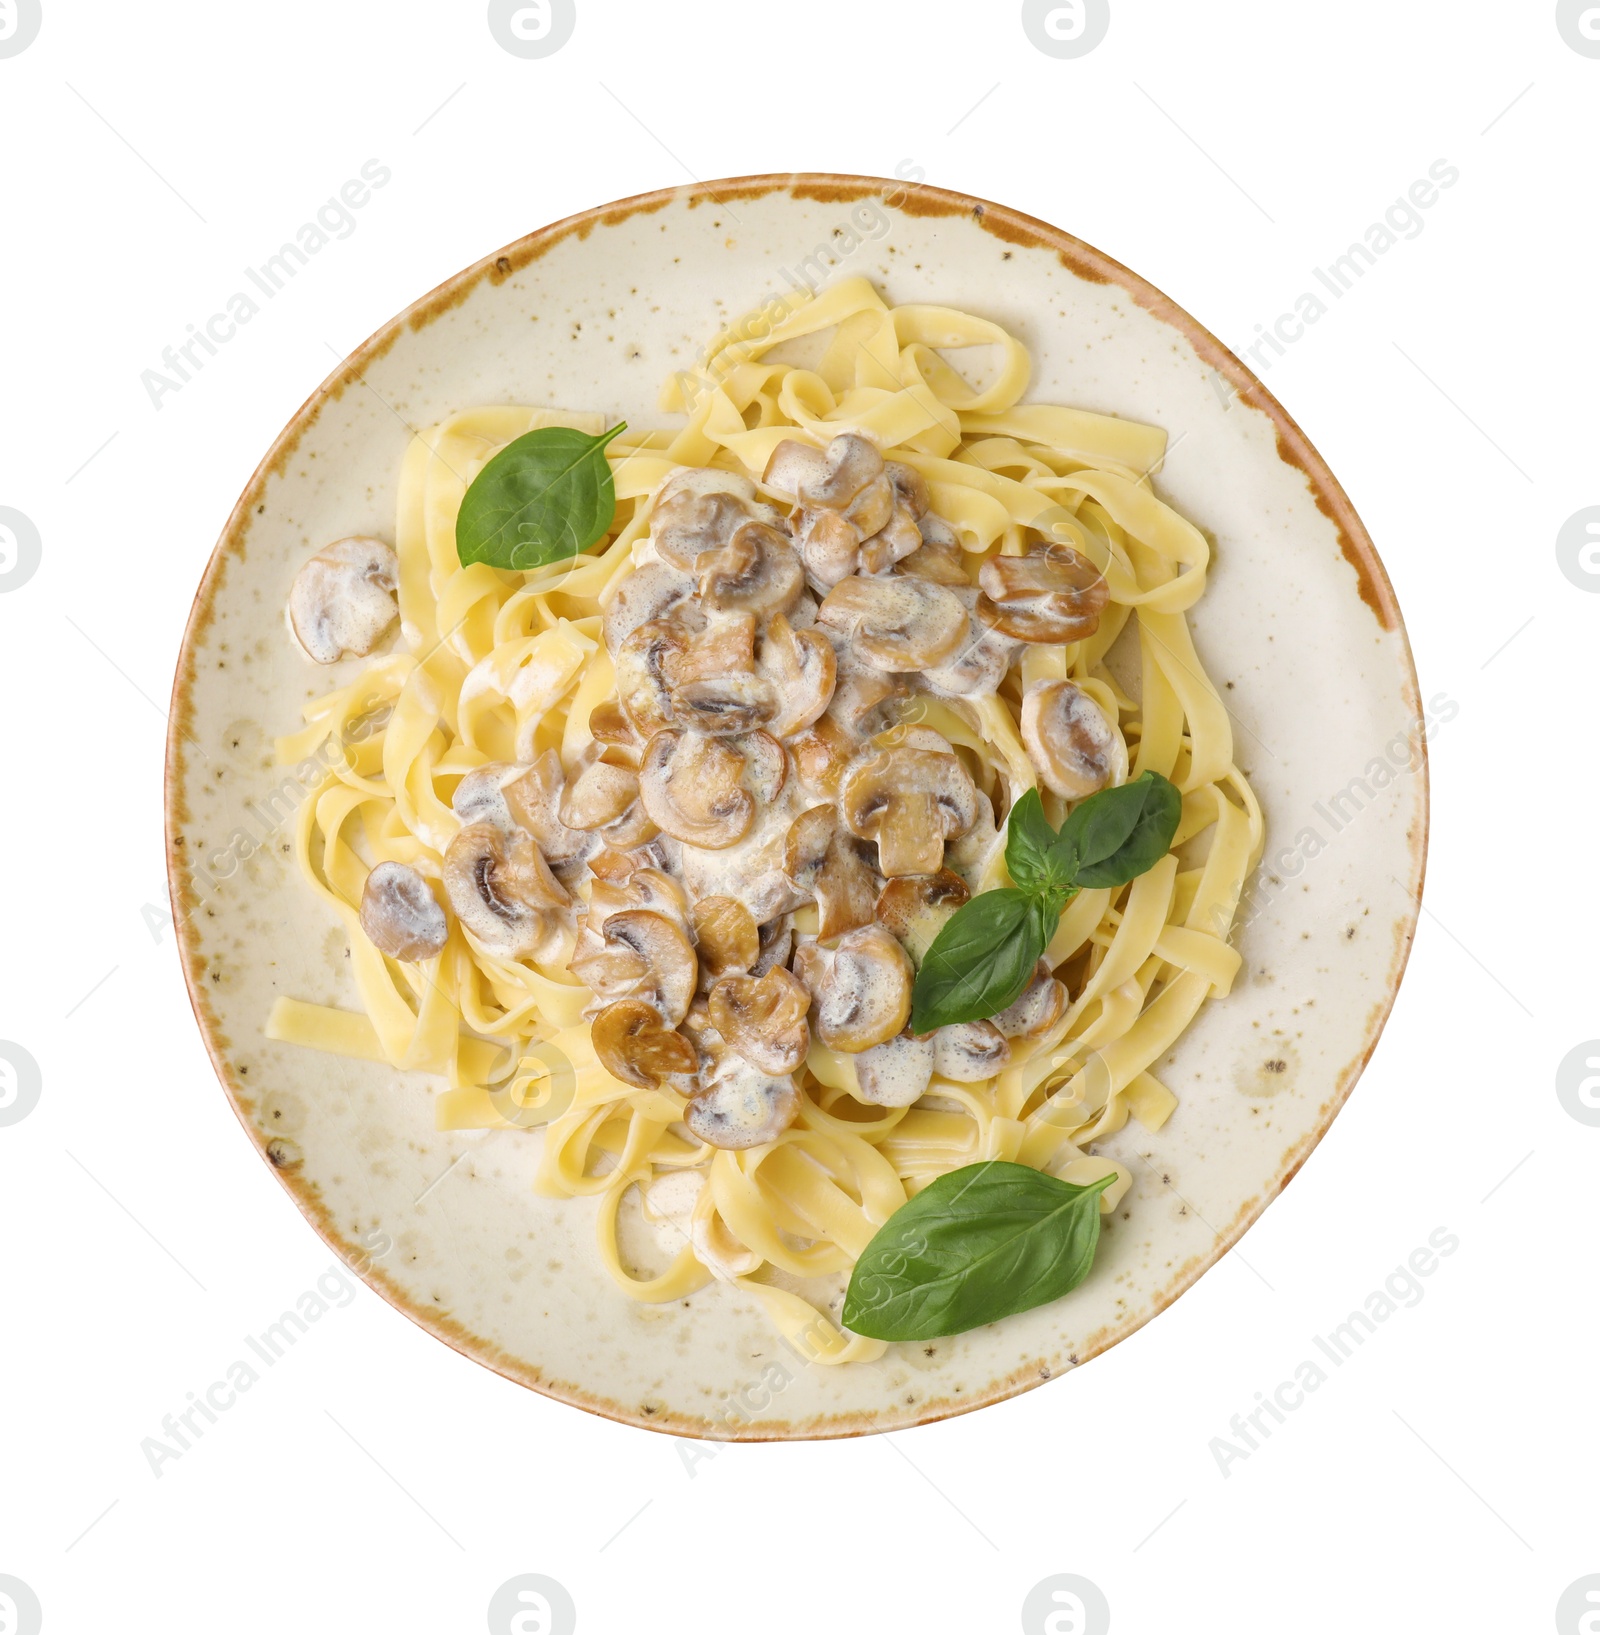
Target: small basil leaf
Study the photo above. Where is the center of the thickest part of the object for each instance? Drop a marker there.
(1034, 858)
(980, 961)
(545, 496)
(1121, 832)
(976, 1245)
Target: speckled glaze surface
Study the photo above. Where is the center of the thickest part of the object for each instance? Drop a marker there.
(1298, 626)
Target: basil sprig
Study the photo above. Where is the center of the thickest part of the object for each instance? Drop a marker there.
(985, 953)
(978, 1244)
(545, 496)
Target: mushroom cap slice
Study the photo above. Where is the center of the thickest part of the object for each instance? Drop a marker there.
(897, 1072)
(830, 546)
(636, 1046)
(896, 623)
(714, 687)
(1051, 594)
(969, 1052)
(822, 858)
(400, 915)
(604, 798)
(800, 669)
(850, 463)
(897, 539)
(726, 936)
(980, 664)
(910, 801)
(697, 510)
(936, 559)
(915, 908)
(342, 599)
(755, 572)
(644, 956)
(861, 988)
(643, 660)
(823, 752)
(1036, 1009)
(502, 889)
(1071, 744)
(794, 465)
(652, 591)
(764, 1019)
(693, 787)
(742, 1106)
(910, 488)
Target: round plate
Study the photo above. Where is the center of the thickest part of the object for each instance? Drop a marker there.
(1298, 626)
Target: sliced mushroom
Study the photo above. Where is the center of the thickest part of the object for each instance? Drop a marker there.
(822, 753)
(830, 548)
(831, 478)
(604, 799)
(861, 988)
(800, 669)
(897, 539)
(636, 1046)
(725, 936)
(910, 801)
(1051, 594)
(861, 690)
(910, 489)
(1069, 741)
(609, 725)
(742, 1106)
(652, 591)
(530, 800)
(755, 572)
(968, 855)
(969, 1052)
(980, 664)
(645, 956)
(897, 1072)
(764, 1019)
(777, 943)
(699, 509)
(639, 887)
(642, 663)
(502, 890)
(938, 559)
(915, 907)
(824, 860)
(714, 687)
(702, 790)
(896, 623)
(1036, 1009)
(400, 915)
(342, 600)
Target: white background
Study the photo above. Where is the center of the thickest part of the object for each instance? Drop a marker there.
(1442, 1478)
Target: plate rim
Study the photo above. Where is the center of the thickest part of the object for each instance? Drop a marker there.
(913, 198)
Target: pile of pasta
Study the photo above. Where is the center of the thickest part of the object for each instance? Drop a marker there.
(494, 665)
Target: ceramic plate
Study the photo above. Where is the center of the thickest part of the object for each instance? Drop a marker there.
(1298, 625)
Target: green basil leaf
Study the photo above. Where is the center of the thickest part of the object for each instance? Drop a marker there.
(1119, 833)
(1035, 856)
(980, 961)
(978, 1244)
(545, 496)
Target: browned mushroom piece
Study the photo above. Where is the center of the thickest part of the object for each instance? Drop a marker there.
(400, 915)
(968, 855)
(897, 1072)
(513, 796)
(343, 600)
(714, 687)
(636, 1046)
(741, 1107)
(979, 665)
(969, 1052)
(910, 488)
(654, 590)
(764, 1019)
(910, 801)
(823, 859)
(641, 955)
(800, 670)
(1051, 594)
(604, 799)
(1036, 1009)
(777, 943)
(755, 572)
(609, 725)
(635, 885)
(822, 753)
(898, 622)
(861, 988)
(830, 548)
(703, 790)
(643, 662)
(916, 907)
(502, 890)
(861, 691)
(1071, 744)
(897, 539)
(939, 558)
(726, 936)
(699, 509)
